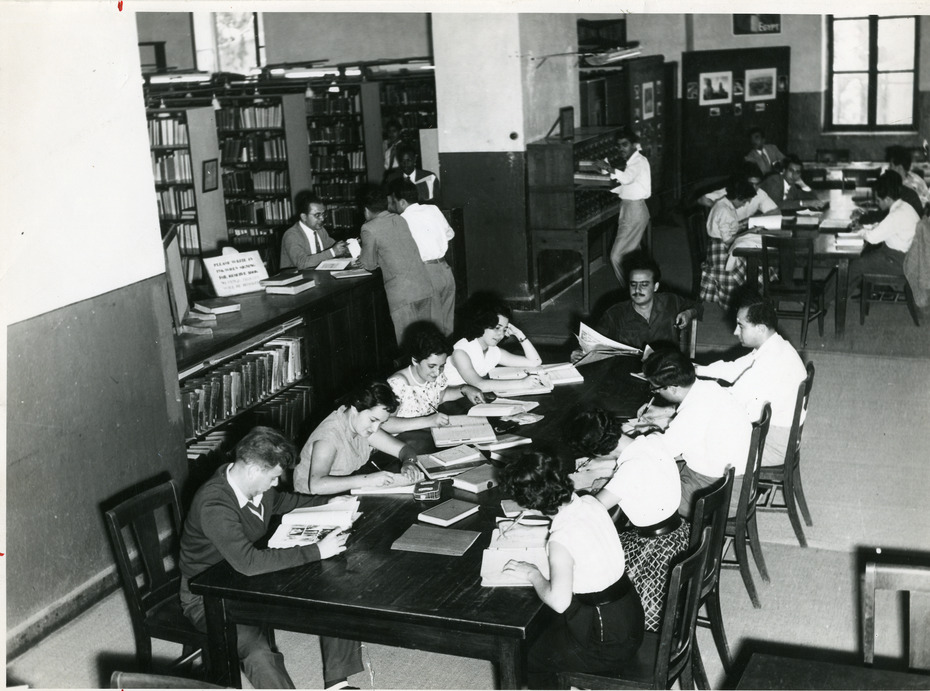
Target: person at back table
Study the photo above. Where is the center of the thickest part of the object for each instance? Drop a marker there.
(770, 373)
(788, 190)
(722, 274)
(230, 513)
(432, 232)
(899, 160)
(766, 156)
(761, 203)
(648, 316)
(426, 181)
(306, 243)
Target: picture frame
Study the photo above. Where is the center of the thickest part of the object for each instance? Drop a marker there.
(211, 174)
(760, 84)
(715, 88)
(649, 100)
(566, 122)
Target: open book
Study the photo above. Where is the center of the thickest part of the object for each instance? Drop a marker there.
(502, 407)
(463, 429)
(309, 525)
(533, 385)
(517, 542)
(334, 264)
(597, 346)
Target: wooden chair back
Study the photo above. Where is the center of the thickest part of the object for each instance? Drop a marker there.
(750, 489)
(793, 452)
(711, 506)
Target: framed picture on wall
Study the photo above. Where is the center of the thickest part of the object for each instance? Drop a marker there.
(211, 177)
(649, 101)
(760, 84)
(716, 88)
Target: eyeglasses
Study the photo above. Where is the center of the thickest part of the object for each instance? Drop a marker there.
(321, 215)
(657, 389)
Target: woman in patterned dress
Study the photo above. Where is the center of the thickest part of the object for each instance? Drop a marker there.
(717, 283)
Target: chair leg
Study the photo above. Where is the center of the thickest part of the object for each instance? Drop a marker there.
(798, 490)
(144, 653)
(791, 503)
(686, 677)
(715, 617)
(911, 305)
(697, 667)
(864, 292)
(752, 529)
(805, 321)
(822, 309)
(739, 544)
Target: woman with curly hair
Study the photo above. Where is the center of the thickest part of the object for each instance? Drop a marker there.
(601, 622)
(647, 487)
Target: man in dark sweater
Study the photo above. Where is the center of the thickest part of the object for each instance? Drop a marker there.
(229, 514)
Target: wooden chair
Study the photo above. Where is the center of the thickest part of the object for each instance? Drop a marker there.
(664, 656)
(697, 248)
(136, 680)
(915, 580)
(144, 532)
(888, 288)
(793, 258)
(787, 477)
(742, 528)
(711, 506)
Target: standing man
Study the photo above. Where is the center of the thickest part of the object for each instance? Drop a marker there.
(426, 181)
(766, 156)
(788, 188)
(432, 233)
(770, 373)
(306, 243)
(387, 242)
(229, 514)
(635, 177)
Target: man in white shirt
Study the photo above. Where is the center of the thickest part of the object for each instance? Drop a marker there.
(633, 173)
(432, 233)
(761, 203)
(306, 243)
(770, 373)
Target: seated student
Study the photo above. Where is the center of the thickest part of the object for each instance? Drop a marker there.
(718, 283)
(306, 243)
(899, 160)
(770, 373)
(788, 188)
(600, 626)
(422, 386)
(426, 181)
(647, 488)
(873, 216)
(342, 443)
(766, 156)
(648, 316)
(230, 513)
(759, 204)
(487, 323)
(890, 240)
(710, 430)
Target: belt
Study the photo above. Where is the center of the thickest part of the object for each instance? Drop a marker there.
(610, 594)
(665, 527)
(441, 260)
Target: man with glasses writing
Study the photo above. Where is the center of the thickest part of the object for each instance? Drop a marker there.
(306, 243)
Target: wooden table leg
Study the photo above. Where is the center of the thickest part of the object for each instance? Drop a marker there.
(511, 664)
(223, 641)
(586, 272)
(842, 290)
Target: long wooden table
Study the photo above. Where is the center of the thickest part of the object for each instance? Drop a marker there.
(841, 205)
(766, 671)
(411, 600)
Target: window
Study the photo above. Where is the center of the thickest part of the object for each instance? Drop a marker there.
(229, 41)
(872, 73)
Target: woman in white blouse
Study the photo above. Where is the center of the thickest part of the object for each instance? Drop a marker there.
(723, 224)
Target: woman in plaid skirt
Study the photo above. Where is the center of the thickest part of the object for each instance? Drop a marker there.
(717, 283)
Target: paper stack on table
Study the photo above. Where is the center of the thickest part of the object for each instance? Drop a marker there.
(597, 346)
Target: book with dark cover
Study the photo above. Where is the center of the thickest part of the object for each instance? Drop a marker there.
(431, 540)
(449, 512)
(217, 306)
(291, 288)
(282, 278)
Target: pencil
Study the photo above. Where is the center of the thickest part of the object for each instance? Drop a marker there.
(515, 521)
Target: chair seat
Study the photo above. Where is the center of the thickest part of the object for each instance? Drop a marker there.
(637, 674)
(167, 619)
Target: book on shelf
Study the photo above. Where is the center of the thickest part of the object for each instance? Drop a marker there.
(477, 480)
(449, 512)
(350, 273)
(456, 455)
(334, 264)
(504, 441)
(291, 288)
(596, 346)
(282, 278)
(463, 429)
(217, 306)
(502, 407)
(429, 539)
(309, 525)
(235, 273)
(437, 471)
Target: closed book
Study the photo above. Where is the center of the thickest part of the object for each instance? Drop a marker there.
(512, 509)
(463, 429)
(431, 540)
(291, 288)
(333, 264)
(449, 512)
(436, 471)
(217, 306)
(282, 278)
(350, 273)
(456, 455)
(505, 441)
(479, 479)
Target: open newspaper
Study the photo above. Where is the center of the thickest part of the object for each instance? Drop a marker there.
(309, 525)
(596, 346)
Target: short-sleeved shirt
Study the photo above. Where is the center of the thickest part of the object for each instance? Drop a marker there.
(416, 400)
(352, 450)
(482, 360)
(647, 484)
(623, 323)
(584, 528)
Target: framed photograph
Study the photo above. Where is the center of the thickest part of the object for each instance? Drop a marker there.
(737, 87)
(716, 88)
(760, 84)
(566, 122)
(692, 91)
(737, 109)
(715, 112)
(211, 175)
(649, 101)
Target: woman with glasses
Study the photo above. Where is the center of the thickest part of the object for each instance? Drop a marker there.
(487, 323)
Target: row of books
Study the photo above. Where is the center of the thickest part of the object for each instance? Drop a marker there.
(249, 117)
(188, 238)
(594, 150)
(253, 148)
(257, 181)
(225, 391)
(342, 104)
(167, 132)
(408, 94)
(172, 168)
(287, 411)
(589, 204)
(176, 202)
(416, 120)
(259, 211)
(338, 133)
(337, 190)
(342, 217)
(351, 160)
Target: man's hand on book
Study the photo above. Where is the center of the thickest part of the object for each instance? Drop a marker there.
(333, 544)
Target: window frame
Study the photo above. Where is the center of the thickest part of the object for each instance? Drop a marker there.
(873, 72)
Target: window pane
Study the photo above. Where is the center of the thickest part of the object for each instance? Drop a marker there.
(851, 45)
(850, 99)
(895, 99)
(235, 42)
(896, 44)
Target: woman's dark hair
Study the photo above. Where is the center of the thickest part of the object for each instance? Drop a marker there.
(594, 432)
(537, 481)
(424, 339)
(739, 187)
(481, 312)
(370, 394)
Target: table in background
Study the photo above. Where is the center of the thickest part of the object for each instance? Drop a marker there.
(778, 672)
(406, 599)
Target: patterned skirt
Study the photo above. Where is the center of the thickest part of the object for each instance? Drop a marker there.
(647, 564)
(718, 284)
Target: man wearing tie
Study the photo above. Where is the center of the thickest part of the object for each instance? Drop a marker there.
(426, 182)
(766, 156)
(306, 243)
(788, 190)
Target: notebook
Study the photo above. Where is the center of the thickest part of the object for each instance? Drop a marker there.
(449, 512)
(463, 429)
(432, 540)
(456, 455)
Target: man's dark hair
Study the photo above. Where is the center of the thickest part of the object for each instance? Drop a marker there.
(481, 312)
(404, 148)
(402, 188)
(370, 394)
(593, 432)
(759, 310)
(374, 198)
(669, 367)
(640, 261)
(628, 133)
(751, 170)
(756, 130)
(899, 156)
(304, 199)
(537, 481)
(267, 448)
(425, 339)
(790, 159)
(888, 185)
(740, 188)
